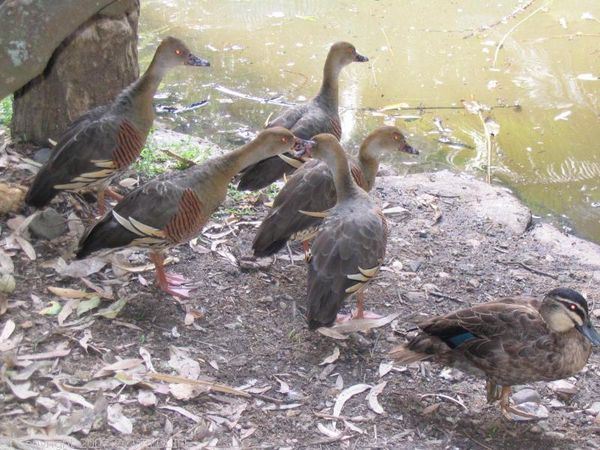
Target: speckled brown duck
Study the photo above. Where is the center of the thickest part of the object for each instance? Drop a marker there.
(173, 208)
(350, 245)
(319, 115)
(107, 139)
(310, 191)
(510, 341)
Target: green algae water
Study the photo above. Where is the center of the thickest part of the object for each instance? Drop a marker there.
(450, 74)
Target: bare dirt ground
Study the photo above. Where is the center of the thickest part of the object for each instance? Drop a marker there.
(94, 380)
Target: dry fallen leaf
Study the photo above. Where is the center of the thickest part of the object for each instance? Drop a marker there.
(117, 420)
(71, 293)
(330, 332)
(88, 305)
(145, 354)
(114, 309)
(183, 412)
(385, 368)
(123, 364)
(352, 326)
(8, 329)
(182, 363)
(146, 397)
(51, 310)
(372, 397)
(346, 394)
(21, 391)
(66, 310)
(331, 358)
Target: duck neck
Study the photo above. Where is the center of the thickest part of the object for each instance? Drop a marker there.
(328, 94)
(237, 160)
(141, 93)
(342, 178)
(369, 164)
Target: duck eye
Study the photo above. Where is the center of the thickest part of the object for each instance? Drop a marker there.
(573, 307)
(284, 140)
(178, 52)
(396, 137)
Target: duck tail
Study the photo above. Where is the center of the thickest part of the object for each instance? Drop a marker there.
(41, 191)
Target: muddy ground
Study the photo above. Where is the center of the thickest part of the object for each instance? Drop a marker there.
(246, 330)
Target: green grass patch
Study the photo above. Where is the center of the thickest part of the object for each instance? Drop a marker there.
(154, 160)
(6, 110)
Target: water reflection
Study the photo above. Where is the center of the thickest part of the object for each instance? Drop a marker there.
(430, 54)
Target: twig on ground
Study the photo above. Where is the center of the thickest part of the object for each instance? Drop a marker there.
(537, 271)
(209, 384)
(440, 295)
(181, 159)
(446, 397)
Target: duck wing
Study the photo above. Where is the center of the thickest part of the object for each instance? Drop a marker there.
(347, 253)
(88, 154)
(309, 189)
(161, 213)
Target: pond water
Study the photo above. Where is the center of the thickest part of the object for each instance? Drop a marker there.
(426, 58)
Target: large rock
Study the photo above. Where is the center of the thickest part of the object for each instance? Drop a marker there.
(562, 244)
(48, 225)
(492, 203)
(88, 69)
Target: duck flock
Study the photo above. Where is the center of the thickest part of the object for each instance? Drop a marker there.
(325, 204)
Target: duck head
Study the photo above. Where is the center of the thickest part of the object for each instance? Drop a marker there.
(325, 147)
(564, 309)
(343, 53)
(276, 140)
(386, 139)
(172, 52)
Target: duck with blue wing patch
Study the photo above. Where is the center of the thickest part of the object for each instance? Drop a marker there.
(510, 341)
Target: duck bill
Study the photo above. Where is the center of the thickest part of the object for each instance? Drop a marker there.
(302, 147)
(360, 58)
(409, 149)
(588, 330)
(194, 60)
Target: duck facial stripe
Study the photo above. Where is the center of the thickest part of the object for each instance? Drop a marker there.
(129, 145)
(574, 308)
(189, 219)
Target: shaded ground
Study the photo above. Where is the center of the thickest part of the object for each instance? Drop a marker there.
(246, 330)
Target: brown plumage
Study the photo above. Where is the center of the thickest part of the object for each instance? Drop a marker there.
(319, 115)
(174, 207)
(509, 341)
(311, 189)
(106, 140)
(350, 245)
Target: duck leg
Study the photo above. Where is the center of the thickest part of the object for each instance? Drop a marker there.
(360, 312)
(510, 411)
(102, 194)
(113, 194)
(168, 282)
(493, 391)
